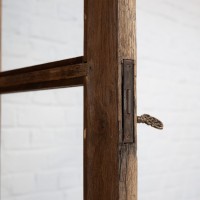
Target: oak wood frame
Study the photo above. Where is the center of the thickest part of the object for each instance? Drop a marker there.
(110, 166)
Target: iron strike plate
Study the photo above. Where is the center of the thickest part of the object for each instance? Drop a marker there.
(128, 100)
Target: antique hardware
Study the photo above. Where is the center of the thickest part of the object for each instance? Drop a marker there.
(149, 120)
(128, 104)
(128, 100)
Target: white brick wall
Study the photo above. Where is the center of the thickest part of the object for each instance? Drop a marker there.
(42, 146)
(37, 31)
(169, 88)
(42, 132)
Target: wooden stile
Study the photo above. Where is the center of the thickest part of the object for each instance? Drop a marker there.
(110, 163)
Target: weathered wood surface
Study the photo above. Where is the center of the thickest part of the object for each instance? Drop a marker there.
(110, 165)
(85, 29)
(62, 73)
(102, 132)
(127, 50)
(51, 65)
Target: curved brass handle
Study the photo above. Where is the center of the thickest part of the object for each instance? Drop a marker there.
(149, 120)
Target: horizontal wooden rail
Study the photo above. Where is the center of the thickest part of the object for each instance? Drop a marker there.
(66, 73)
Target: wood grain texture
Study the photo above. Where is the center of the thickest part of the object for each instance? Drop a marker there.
(127, 50)
(110, 165)
(85, 30)
(101, 142)
(41, 76)
(51, 65)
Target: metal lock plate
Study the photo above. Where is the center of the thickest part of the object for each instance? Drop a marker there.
(128, 100)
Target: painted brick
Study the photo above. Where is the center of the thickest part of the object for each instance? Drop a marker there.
(168, 34)
(15, 139)
(47, 181)
(66, 180)
(19, 184)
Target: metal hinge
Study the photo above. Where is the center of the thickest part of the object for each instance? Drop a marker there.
(128, 100)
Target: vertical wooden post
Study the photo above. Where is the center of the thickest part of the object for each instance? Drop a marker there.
(102, 128)
(127, 50)
(110, 165)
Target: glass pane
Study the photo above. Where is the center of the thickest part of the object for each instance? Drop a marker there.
(40, 31)
(42, 145)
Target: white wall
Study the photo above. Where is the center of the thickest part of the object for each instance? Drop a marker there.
(169, 88)
(168, 40)
(42, 145)
(42, 132)
(39, 31)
